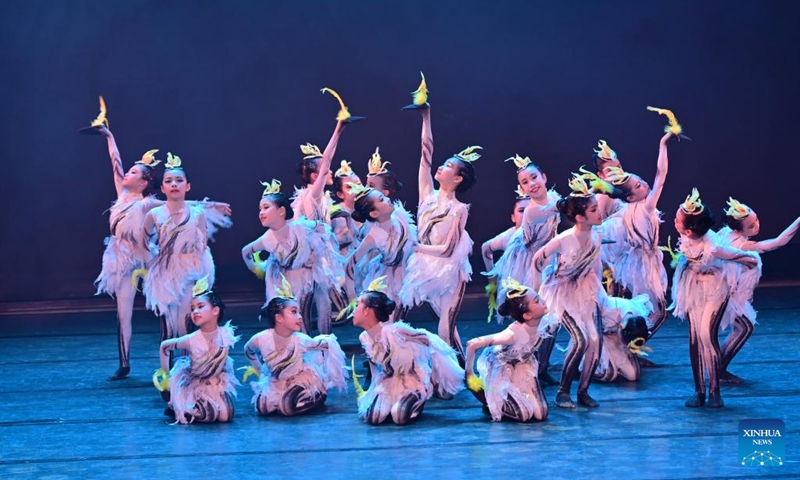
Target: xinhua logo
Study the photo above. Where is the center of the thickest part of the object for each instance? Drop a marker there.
(761, 443)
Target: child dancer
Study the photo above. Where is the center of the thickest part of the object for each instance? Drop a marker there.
(201, 385)
(603, 158)
(345, 228)
(388, 243)
(294, 371)
(408, 365)
(439, 269)
(300, 250)
(124, 251)
(381, 178)
(508, 371)
(571, 284)
(742, 223)
(625, 332)
(639, 267)
(179, 234)
(700, 293)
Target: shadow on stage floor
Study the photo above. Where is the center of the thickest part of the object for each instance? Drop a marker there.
(60, 418)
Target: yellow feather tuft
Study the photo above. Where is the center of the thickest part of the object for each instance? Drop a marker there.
(173, 161)
(161, 380)
(359, 389)
(469, 154)
(515, 289)
(201, 287)
(377, 285)
(248, 372)
(101, 117)
(673, 127)
(737, 209)
(421, 93)
(285, 290)
(149, 159)
(491, 292)
(475, 383)
(271, 188)
(343, 113)
(138, 273)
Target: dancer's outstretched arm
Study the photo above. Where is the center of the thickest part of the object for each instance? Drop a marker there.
(425, 177)
(116, 159)
(661, 174)
(773, 243)
(318, 187)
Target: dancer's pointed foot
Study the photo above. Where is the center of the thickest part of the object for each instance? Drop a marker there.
(645, 363)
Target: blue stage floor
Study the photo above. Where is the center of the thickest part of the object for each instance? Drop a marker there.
(60, 418)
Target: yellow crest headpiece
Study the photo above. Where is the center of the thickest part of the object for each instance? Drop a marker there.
(377, 285)
(344, 170)
(693, 205)
(173, 161)
(421, 93)
(616, 175)
(101, 117)
(375, 166)
(285, 289)
(520, 162)
(201, 287)
(358, 190)
(737, 209)
(520, 192)
(343, 113)
(310, 151)
(469, 154)
(580, 188)
(605, 151)
(149, 159)
(673, 127)
(270, 188)
(514, 288)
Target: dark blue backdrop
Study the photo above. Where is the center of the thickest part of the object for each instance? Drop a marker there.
(233, 88)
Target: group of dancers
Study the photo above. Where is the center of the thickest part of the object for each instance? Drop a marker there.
(355, 252)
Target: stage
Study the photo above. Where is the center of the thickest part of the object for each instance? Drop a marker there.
(62, 419)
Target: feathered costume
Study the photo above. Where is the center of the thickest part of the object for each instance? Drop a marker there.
(510, 377)
(408, 365)
(745, 281)
(517, 259)
(180, 257)
(393, 248)
(124, 252)
(296, 377)
(430, 277)
(347, 233)
(570, 289)
(700, 294)
(616, 359)
(201, 385)
(639, 266)
(307, 258)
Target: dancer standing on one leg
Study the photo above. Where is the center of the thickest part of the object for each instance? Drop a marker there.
(700, 293)
(125, 250)
(741, 224)
(294, 371)
(508, 382)
(570, 286)
(439, 269)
